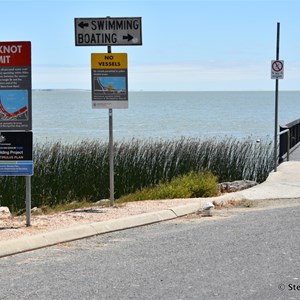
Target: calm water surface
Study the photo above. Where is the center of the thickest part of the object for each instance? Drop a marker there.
(67, 115)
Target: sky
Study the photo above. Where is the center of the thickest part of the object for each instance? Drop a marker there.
(188, 45)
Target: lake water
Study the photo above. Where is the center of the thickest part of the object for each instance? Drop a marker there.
(67, 115)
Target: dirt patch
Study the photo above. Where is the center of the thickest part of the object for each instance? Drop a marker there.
(14, 227)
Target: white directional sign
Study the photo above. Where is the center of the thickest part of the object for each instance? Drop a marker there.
(277, 69)
(108, 31)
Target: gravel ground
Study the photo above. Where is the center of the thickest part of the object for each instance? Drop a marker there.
(14, 227)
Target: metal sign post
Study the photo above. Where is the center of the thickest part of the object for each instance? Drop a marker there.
(28, 200)
(111, 153)
(276, 66)
(109, 90)
(109, 72)
(111, 160)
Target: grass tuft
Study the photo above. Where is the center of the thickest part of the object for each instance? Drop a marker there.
(191, 185)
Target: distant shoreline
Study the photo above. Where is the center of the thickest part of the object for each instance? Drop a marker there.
(142, 91)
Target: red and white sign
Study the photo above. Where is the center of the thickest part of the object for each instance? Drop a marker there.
(15, 86)
(277, 69)
(15, 54)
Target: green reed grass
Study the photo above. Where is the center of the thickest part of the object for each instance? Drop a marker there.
(80, 171)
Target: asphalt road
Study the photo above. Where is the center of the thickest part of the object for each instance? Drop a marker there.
(251, 255)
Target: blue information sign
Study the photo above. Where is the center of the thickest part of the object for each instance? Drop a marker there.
(16, 153)
(16, 168)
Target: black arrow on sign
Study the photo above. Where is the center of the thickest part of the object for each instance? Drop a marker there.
(127, 37)
(82, 24)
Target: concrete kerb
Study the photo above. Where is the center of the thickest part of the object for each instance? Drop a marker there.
(133, 221)
(28, 243)
(38, 241)
(184, 210)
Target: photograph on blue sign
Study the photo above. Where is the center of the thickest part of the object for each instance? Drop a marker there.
(13, 105)
(112, 84)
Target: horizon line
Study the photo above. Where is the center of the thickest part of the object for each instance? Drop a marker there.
(162, 91)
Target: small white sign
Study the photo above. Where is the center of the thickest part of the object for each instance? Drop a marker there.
(277, 69)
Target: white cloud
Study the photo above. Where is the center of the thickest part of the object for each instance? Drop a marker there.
(175, 77)
(47, 77)
(205, 76)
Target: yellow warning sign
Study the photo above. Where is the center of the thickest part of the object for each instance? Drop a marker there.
(109, 80)
(109, 60)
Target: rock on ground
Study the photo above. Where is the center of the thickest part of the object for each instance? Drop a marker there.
(234, 186)
(4, 212)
